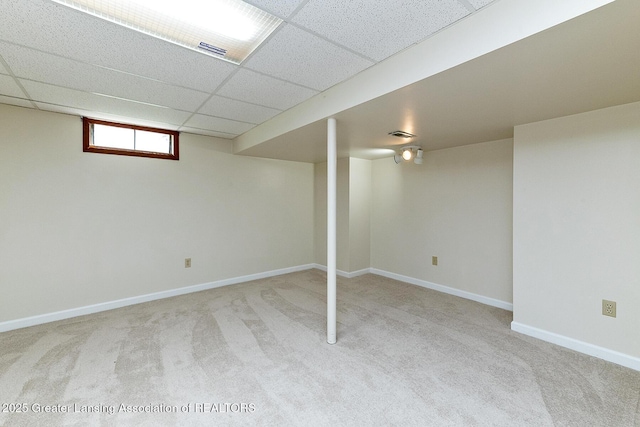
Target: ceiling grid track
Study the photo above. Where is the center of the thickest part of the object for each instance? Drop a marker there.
(17, 82)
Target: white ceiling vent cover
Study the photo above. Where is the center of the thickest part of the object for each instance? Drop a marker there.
(401, 134)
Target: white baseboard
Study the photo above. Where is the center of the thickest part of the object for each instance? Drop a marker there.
(423, 283)
(579, 346)
(348, 275)
(110, 305)
(445, 289)
(573, 344)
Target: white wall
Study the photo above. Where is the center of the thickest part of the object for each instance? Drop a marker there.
(359, 214)
(457, 206)
(577, 227)
(353, 214)
(78, 229)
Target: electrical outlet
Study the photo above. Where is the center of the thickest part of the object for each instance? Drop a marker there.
(608, 308)
(187, 263)
(434, 260)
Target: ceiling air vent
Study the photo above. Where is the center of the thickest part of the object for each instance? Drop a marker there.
(401, 134)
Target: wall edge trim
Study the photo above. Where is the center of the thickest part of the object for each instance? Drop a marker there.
(446, 289)
(609, 355)
(346, 274)
(124, 302)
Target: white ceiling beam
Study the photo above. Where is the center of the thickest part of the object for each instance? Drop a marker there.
(495, 26)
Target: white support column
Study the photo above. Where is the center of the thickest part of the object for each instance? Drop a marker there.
(332, 171)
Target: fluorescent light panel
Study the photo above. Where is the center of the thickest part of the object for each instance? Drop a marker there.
(226, 29)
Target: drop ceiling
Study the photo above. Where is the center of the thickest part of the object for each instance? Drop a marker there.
(57, 59)
(584, 64)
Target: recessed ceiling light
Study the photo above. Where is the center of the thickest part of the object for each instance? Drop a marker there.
(226, 29)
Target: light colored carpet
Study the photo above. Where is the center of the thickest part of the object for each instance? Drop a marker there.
(405, 356)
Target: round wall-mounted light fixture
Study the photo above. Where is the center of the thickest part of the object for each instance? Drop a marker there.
(407, 154)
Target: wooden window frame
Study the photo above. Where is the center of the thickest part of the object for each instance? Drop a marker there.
(88, 147)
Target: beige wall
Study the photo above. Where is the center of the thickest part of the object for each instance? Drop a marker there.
(577, 226)
(457, 206)
(352, 214)
(320, 213)
(359, 214)
(78, 229)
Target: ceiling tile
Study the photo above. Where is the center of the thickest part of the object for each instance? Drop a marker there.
(3, 70)
(9, 87)
(479, 3)
(15, 101)
(200, 121)
(51, 27)
(208, 132)
(237, 110)
(34, 65)
(381, 29)
(303, 58)
(281, 8)
(250, 86)
(104, 116)
(101, 104)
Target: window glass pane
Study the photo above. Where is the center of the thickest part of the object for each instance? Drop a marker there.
(100, 136)
(153, 141)
(113, 137)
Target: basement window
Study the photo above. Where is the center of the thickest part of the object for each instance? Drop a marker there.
(129, 140)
